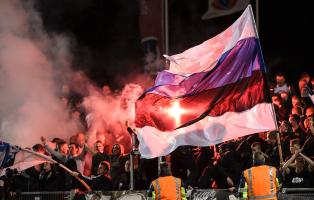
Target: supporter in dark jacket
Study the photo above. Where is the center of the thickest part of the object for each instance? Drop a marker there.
(99, 157)
(102, 181)
(184, 166)
(299, 174)
(117, 160)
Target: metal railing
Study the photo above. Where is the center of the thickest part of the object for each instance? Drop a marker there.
(285, 194)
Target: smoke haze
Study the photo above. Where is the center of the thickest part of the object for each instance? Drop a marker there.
(34, 66)
(29, 63)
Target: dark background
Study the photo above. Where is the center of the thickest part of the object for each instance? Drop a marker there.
(106, 38)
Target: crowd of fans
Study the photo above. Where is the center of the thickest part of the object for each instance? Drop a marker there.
(105, 166)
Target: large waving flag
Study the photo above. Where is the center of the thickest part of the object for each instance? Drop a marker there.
(213, 92)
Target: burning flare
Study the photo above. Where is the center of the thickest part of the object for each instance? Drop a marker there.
(176, 111)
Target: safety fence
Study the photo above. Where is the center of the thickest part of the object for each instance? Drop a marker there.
(194, 194)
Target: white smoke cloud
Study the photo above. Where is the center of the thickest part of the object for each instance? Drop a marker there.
(34, 65)
(30, 61)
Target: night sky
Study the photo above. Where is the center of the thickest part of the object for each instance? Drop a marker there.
(106, 39)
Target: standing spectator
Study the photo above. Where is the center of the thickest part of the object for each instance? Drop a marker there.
(281, 84)
(282, 112)
(309, 141)
(62, 153)
(305, 92)
(102, 181)
(307, 78)
(300, 175)
(75, 164)
(272, 149)
(257, 147)
(183, 165)
(309, 112)
(298, 132)
(293, 147)
(298, 104)
(286, 134)
(221, 174)
(100, 136)
(99, 157)
(117, 160)
(86, 154)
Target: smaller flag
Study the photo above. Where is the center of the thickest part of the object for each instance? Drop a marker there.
(219, 8)
(7, 154)
(14, 157)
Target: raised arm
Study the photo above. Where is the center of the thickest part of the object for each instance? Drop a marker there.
(56, 154)
(309, 161)
(286, 165)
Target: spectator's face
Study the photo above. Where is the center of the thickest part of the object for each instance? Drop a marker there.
(102, 169)
(309, 112)
(106, 90)
(127, 166)
(295, 102)
(101, 138)
(302, 84)
(306, 78)
(41, 150)
(311, 125)
(255, 149)
(116, 150)
(75, 115)
(296, 111)
(270, 140)
(99, 147)
(283, 128)
(292, 121)
(276, 101)
(64, 149)
(47, 167)
(73, 150)
(280, 80)
(284, 96)
(306, 124)
(81, 139)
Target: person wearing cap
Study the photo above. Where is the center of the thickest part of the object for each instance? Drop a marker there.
(260, 181)
(166, 186)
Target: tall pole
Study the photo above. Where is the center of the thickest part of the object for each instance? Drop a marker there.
(165, 13)
(257, 14)
(131, 171)
(132, 154)
(166, 24)
(273, 109)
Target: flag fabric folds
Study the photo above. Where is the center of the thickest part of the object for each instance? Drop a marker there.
(218, 8)
(14, 157)
(211, 93)
(7, 154)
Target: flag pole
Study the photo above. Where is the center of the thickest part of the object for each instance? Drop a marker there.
(257, 14)
(61, 165)
(272, 105)
(165, 14)
(166, 24)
